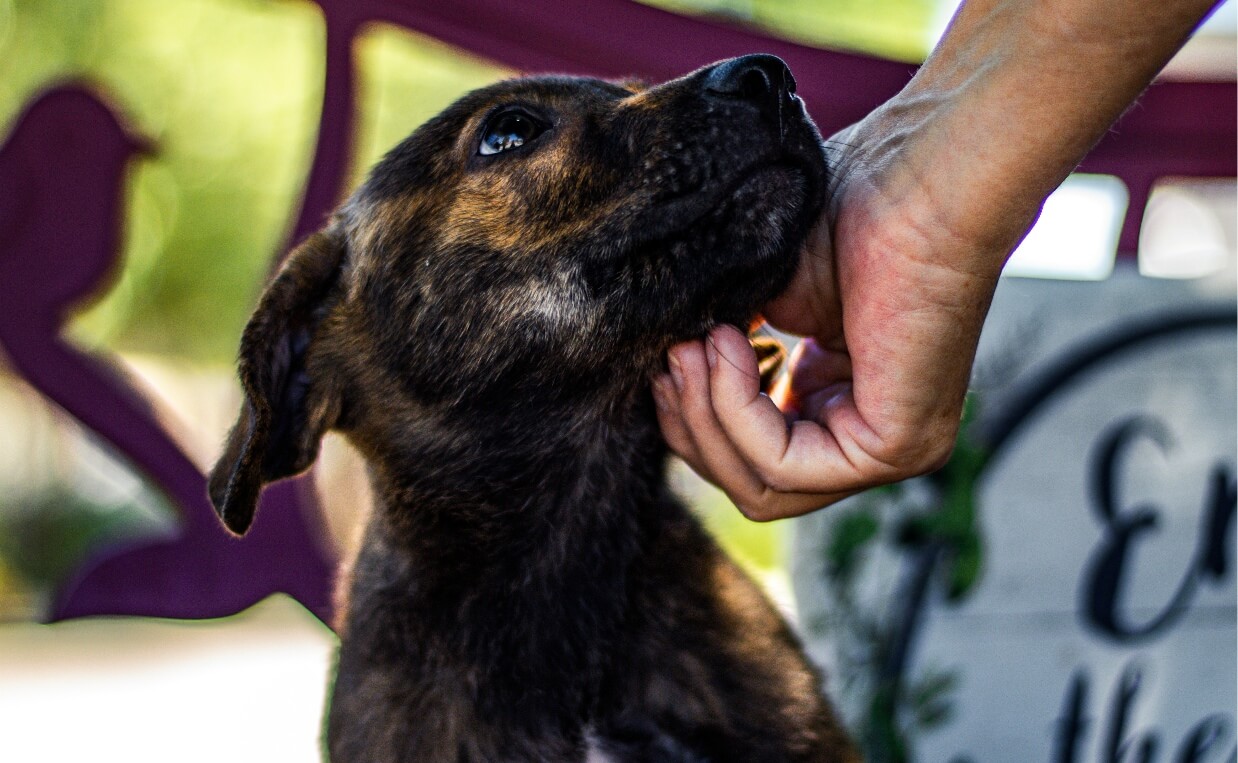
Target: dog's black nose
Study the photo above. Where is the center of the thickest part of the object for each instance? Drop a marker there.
(760, 78)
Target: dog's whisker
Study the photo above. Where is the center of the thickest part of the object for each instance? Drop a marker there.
(719, 354)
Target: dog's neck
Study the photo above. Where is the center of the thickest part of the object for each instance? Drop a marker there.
(497, 541)
(533, 479)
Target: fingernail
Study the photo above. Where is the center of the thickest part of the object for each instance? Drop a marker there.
(711, 354)
(676, 372)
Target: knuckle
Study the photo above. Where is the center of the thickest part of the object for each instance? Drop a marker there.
(778, 482)
(697, 408)
(773, 477)
(937, 457)
(911, 454)
(682, 447)
(761, 507)
(753, 510)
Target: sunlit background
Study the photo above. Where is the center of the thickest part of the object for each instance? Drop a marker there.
(229, 91)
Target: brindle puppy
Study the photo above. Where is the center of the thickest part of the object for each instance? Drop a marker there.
(482, 319)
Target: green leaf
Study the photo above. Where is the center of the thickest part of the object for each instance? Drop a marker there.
(930, 699)
(849, 534)
(964, 568)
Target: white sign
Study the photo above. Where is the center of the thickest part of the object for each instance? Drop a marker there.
(1101, 627)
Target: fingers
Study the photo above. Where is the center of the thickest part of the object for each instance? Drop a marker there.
(693, 430)
(814, 368)
(734, 396)
(815, 377)
(675, 429)
(804, 457)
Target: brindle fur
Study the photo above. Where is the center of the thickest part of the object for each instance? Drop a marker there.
(484, 330)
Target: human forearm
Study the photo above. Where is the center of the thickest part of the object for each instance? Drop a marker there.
(1009, 103)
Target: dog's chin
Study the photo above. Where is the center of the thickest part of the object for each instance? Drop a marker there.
(752, 242)
(767, 212)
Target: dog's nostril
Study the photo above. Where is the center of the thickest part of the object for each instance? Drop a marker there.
(754, 85)
(761, 79)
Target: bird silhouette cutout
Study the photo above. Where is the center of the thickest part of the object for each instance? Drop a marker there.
(62, 179)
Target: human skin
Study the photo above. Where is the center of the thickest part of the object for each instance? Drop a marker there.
(930, 194)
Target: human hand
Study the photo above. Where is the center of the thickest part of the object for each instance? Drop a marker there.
(930, 194)
(875, 391)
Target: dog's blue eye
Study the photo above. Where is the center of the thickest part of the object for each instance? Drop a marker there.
(508, 130)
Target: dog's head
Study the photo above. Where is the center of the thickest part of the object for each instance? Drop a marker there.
(541, 238)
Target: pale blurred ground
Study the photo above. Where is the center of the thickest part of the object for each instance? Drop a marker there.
(250, 688)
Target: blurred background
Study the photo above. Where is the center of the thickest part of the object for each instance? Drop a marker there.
(229, 95)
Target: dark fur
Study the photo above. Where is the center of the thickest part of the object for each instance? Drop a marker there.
(484, 330)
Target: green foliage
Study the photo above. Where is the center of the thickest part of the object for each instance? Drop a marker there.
(954, 522)
(929, 698)
(940, 520)
(895, 29)
(884, 739)
(850, 534)
(48, 534)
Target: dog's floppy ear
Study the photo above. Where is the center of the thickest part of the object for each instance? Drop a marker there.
(285, 412)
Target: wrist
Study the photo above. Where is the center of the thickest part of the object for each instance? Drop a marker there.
(918, 172)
